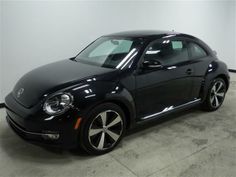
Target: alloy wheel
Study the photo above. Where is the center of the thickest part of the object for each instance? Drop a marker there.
(217, 94)
(105, 130)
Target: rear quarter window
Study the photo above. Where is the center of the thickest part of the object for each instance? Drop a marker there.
(196, 51)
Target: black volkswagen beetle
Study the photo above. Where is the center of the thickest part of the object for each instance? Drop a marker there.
(117, 82)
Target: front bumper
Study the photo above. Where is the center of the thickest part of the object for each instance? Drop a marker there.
(34, 126)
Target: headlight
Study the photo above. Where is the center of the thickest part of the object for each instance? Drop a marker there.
(58, 104)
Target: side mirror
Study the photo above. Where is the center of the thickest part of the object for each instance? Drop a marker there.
(152, 64)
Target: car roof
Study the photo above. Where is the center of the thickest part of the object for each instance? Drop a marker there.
(148, 34)
(157, 34)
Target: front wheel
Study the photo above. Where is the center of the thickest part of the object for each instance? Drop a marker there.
(102, 129)
(215, 96)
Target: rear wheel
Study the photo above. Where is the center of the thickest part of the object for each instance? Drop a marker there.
(216, 95)
(103, 129)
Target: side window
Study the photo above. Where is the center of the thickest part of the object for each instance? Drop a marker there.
(167, 52)
(196, 51)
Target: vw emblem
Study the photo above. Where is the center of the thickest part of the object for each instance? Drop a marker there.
(20, 92)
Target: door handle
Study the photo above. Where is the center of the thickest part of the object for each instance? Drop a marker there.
(189, 71)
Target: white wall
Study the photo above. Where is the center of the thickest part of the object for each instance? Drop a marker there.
(1, 59)
(37, 33)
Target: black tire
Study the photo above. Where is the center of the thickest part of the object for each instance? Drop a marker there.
(213, 101)
(94, 121)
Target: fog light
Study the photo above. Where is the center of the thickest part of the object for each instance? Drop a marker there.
(51, 136)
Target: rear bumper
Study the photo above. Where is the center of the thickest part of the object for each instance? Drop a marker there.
(35, 128)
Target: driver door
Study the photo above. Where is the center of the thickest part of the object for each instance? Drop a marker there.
(162, 88)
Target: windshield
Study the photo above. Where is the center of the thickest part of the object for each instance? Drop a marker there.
(110, 52)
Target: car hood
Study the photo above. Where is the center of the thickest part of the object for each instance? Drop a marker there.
(31, 88)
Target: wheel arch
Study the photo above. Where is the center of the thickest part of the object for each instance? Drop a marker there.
(224, 77)
(128, 113)
(216, 69)
(128, 110)
(123, 99)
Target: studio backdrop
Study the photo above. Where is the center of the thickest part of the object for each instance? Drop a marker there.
(37, 33)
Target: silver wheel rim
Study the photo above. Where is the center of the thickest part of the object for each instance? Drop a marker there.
(105, 130)
(217, 94)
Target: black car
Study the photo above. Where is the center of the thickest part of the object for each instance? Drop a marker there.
(117, 82)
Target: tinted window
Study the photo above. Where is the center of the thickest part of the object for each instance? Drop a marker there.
(196, 51)
(167, 52)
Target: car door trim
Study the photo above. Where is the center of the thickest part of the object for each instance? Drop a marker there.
(171, 108)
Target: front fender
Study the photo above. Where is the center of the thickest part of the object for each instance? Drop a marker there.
(90, 94)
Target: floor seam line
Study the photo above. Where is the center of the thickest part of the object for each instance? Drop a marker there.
(124, 166)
